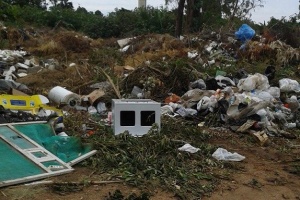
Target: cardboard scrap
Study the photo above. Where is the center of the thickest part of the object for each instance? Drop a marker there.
(246, 126)
(261, 136)
(96, 94)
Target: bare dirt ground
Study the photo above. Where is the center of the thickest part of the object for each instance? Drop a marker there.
(266, 173)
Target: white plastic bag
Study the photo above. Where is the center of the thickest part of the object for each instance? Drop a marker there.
(252, 82)
(166, 109)
(92, 110)
(274, 91)
(203, 103)
(223, 154)
(265, 96)
(198, 84)
(188, 148)
(220, 78)
(101, 107)
(186, 112)
(288, 85)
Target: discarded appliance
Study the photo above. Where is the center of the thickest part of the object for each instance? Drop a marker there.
(61, 95)
(135, 115)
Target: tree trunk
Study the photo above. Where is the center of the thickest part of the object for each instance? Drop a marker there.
(190, 14)
(235, 7)
(179, 18)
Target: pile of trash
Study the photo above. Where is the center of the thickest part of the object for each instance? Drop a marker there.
(16, 64)
(158, 71)
(248, 104)
(32, 132)
(234, 99)
(210, 48)
(243, 102)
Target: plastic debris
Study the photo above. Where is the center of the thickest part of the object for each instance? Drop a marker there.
(166, 109)
(186, 112)
(289, 85)
(61, 95)
(252, 82)
(261, 136)
(200, 84)
(193, 54)
(188, 148)
(172, 98)
(223, 154)
(244, 33)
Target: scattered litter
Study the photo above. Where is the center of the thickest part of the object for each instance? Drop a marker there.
(172, 98)
(244, 33)
(193, 54)
(261, 136)
(94, 96)
(123, 42)
(252, 82)
(101, 108)
(289, 85)
(223, 154)
(137, 92)
(188, 148)
(92, 110)
(243, 101)
(63, 96)
(125, 48)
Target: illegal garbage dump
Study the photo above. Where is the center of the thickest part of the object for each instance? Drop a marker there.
(58, 114)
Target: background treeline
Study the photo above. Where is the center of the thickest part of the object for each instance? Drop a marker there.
(125, 23)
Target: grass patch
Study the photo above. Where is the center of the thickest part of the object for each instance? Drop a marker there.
(153, 160)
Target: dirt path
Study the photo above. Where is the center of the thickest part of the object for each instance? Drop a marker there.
(262, 175)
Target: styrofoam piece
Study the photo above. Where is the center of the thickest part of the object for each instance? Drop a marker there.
(211, 62)
(72, 64)
(21, 65)
(135, 115)
(61, 95)
(123, 42)
(125, 48)
(12, 68)
(193, 54)
(22, 74)
(27, 62)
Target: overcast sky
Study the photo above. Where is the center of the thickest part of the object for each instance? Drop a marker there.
(275, 8)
